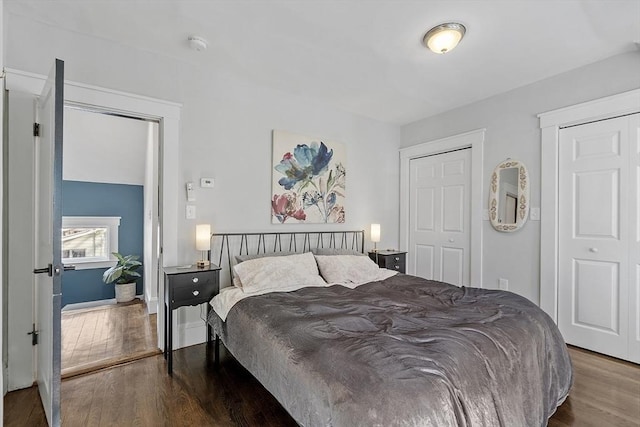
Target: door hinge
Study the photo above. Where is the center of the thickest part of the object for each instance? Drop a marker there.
(34, 335)
(48, 269)
(36, 129)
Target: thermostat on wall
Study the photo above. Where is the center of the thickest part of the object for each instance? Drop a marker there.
(206, 182)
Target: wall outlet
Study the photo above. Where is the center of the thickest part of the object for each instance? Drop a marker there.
(535, 214)
(191, 212)
(503, 284)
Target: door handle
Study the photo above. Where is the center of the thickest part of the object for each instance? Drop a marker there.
(594, 250)
(50, 270)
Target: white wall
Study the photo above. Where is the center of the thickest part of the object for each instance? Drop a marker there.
(228, 129)
(151, 255)
(103, 148)
(20, 238)
(226, 133)
(513, 131)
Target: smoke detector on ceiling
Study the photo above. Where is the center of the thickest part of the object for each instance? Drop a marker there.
(197, 43)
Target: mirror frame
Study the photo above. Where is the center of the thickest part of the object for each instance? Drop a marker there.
(523, 196)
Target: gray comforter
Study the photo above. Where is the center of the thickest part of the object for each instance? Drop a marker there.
(402, 352)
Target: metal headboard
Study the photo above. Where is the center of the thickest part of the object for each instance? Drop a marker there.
(227, 245)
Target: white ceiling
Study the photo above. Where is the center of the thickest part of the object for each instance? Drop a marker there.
(364, 56)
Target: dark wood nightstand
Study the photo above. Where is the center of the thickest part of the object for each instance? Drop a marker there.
(393, 260)
(183, 287)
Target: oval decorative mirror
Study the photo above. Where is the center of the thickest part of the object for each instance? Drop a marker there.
(509, 196)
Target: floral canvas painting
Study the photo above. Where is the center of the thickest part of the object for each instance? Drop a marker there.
(308, 184)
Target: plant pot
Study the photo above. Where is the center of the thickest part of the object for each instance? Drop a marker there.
(125, 292)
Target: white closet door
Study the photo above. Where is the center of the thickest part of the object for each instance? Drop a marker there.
(595, 225)
(439, 217)
(634, 236)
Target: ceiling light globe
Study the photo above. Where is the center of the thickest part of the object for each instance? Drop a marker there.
(444, 37)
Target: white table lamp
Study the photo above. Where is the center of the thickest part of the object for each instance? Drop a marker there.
(203, 243)
(375, 236)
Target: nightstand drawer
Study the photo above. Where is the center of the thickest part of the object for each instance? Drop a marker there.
(192, 279)
(193, 294)
(395, 262)
(193, 289)
(392, 260)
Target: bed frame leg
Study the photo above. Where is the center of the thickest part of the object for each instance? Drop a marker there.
(216, 351)
(213, 340)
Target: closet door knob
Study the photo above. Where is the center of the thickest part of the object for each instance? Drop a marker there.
(451, 240)
(594, 250)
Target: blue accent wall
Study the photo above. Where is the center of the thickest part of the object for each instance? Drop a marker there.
(97, 199)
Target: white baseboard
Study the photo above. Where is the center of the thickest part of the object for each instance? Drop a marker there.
(188, 334)
(152, 305)
(89, 304)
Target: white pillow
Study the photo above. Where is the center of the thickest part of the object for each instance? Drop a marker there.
(278, 274)
(336, 251)
(242, 258)
(347, 269)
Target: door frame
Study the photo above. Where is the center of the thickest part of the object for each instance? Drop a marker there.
(550, 124)
(473, 140)
(167, 114)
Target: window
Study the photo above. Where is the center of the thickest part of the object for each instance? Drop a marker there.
(87, 242)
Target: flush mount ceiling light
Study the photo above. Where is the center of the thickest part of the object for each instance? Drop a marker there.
(444, 37)
(197, 43)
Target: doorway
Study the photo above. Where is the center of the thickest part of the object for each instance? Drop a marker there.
(598, 235)
(23, 88)
(551, 227)
(474, 141)
(108, 188)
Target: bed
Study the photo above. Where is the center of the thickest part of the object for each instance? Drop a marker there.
(386, 349)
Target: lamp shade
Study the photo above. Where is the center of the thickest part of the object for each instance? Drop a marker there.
(444, 37)
(203, 237)
(375, 233)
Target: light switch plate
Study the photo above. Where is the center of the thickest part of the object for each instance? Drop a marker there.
(191, 212)
(206, 182)
(191, 197)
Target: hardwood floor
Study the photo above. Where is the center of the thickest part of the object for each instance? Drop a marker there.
(103, 336)
(606, 392)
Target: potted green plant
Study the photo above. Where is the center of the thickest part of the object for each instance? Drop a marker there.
(124, 276)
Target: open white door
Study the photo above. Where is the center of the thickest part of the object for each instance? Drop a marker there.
(48, 241)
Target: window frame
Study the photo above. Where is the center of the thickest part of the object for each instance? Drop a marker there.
(111, 223)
